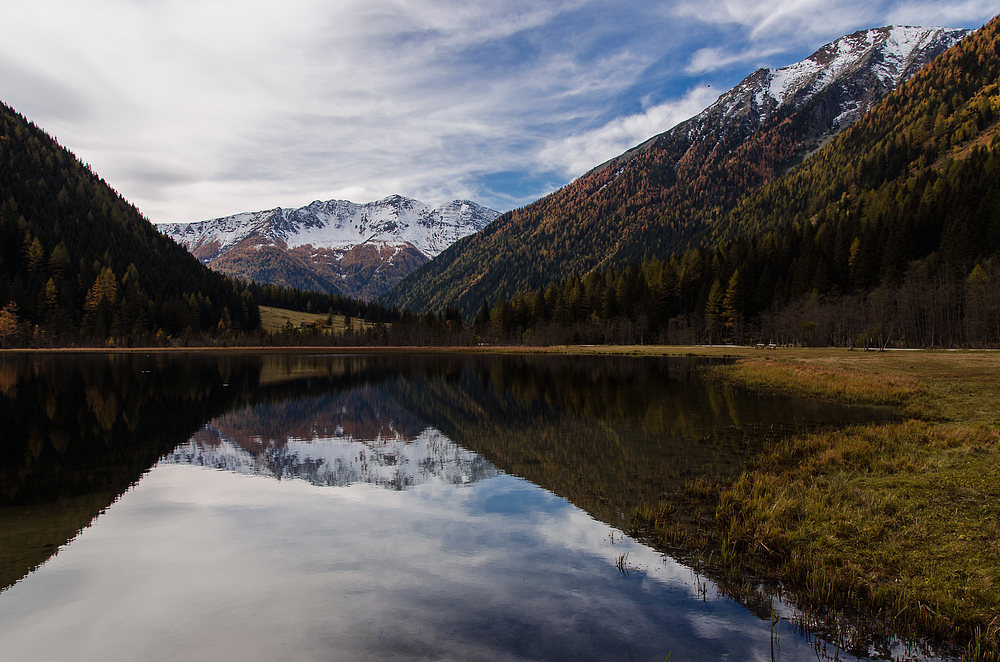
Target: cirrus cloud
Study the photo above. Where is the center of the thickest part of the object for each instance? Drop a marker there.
(576, 154)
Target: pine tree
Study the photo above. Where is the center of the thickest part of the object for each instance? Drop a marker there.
(732, 303)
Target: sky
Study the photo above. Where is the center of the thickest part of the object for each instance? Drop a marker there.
(195, 109)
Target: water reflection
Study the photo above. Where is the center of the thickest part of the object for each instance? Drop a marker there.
(400, 524)
(330, 448)
(79, 430)
(195, 564)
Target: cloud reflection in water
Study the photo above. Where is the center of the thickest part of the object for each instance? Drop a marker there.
(197, 564)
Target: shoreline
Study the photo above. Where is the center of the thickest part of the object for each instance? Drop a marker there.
(722, 351)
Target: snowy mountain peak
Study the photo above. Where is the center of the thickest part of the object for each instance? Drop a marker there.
(884, 57)
(341, 225)
(340, 460)
(895, 49)
(839, 82)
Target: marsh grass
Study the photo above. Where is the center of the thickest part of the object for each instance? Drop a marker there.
(899, 520)
(898, 523)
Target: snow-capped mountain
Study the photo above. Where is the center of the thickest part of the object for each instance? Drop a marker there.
(845, 79)
(891, 55)
(336, 246)
(866, 65)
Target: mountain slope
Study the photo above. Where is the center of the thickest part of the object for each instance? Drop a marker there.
(80, 262)
(906, 194)
(890, 234)
(336, 246)
(655, 197)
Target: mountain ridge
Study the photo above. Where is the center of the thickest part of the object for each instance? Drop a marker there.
(792, 82)
(335, 246)
(888, 236)
(654, 198)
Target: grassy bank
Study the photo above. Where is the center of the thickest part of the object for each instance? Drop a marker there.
(899, 521)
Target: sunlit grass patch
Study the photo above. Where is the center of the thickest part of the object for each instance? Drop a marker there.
(821, 381)
(275, 319)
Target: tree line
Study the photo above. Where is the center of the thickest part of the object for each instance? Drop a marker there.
(80, 264)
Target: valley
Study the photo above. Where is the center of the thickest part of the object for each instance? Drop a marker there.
(754, 351)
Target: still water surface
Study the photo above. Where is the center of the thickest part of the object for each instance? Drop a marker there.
(288, 507)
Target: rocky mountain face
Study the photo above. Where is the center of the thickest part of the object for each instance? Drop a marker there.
(654, 198)
(359, 250)
(838, 83)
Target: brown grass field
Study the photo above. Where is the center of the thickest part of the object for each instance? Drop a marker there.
(274, 319)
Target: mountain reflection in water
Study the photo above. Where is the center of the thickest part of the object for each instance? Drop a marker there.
(327, 446)
(457, 434)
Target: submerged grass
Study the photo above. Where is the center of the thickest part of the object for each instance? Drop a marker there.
(897, 521)
(900, 520)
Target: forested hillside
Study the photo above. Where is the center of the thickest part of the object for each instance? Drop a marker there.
(891, 234)
(654, 199)
(80, 264)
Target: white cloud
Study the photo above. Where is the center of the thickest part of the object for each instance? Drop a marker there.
(759, 30)
(199, 109)
(945, 14)
(575, 155)
(194, 109)
(708, 60)
(790, 21)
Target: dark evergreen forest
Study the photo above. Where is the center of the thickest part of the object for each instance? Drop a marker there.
(79, 264)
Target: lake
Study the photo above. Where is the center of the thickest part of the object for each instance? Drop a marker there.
(326, 507)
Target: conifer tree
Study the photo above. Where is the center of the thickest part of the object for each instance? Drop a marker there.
(8, 322)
